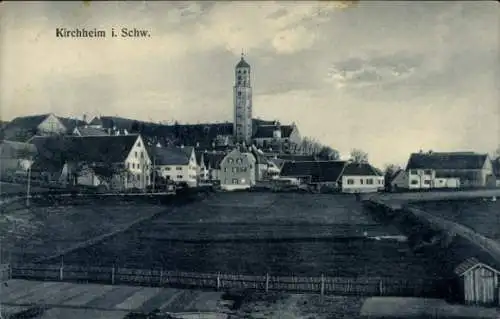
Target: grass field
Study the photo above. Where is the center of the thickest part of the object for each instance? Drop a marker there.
(40, 231)
(255, 233)
(481, 215)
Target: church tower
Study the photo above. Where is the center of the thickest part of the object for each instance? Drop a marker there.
(242, 91)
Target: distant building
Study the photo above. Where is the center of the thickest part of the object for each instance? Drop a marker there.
(89, 131)
(242, 92)
(318, 173)
(433, 169)
(212, 162)
(177, 164)
(238, 170)
(268, 136)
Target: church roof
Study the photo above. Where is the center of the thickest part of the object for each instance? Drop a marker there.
(242, 64)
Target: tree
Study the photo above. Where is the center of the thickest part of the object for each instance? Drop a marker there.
(134, 128)
(328, 153)
(389, 172)
(359, 156)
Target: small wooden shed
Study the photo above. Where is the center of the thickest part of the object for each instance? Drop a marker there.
(479, 283)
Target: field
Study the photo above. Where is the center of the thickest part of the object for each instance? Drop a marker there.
(26, 234)
(258, 233)
(480, 215)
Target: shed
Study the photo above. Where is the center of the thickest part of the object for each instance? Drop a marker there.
(479, 283)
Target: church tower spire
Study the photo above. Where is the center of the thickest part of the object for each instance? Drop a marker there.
(242, 91)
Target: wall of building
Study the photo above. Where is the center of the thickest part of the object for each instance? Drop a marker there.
(362, 184)
(420, 178)
(51, 125)
(138, 164)
(237, 170)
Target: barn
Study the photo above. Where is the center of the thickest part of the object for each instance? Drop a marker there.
(479, 283)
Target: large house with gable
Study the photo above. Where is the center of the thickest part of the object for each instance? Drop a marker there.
(115, 162)
(176, 164)
(434, 169)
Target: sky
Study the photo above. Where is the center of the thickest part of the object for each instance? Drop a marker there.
(388, 77)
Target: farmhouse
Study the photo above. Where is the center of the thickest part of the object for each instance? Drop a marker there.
(480, 284)
(211, 162)
(361, 178)
(319, 173)
(177, 164)
(421, 179)
(238, 170)
(432, 169)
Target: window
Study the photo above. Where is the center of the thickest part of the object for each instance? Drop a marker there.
(239, 77)
(239, 93)
(133, 165)
(239, 161)
(369, 181)
(427, 182)
(128, 165)
(230, 160)
(235, 181)
(179, 176)
(235, 169)
(139, 144)
(135, 154)
(414, 182)
(225, 169)
(167, 168)
(428, 172)
(361, 181)
(142, 154)
(350, 181)
(178, 168)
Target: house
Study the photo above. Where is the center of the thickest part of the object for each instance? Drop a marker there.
(496, 170)
(479, 283)
(429, 169)
(318, 173)
(22, 129)
(361, 178)
(15, 158)
(238, 170)
(177, 164)
(116, 162)
(89, 131)
(262, 165)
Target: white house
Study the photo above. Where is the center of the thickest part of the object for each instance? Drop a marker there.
(238, 170)
(361, 178)
(177, 164)
(23, 128)
(268, 134)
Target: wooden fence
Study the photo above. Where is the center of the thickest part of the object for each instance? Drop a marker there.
(364, 286)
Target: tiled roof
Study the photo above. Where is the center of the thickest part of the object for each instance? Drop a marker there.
(297, 158)
(31, 121)
(455, 161)
(92, 131)
(170, 156)
(319, 171)
(359, 169)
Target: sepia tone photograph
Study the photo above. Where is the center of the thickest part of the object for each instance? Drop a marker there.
(249, 159)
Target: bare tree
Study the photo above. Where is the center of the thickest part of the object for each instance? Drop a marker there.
(328, 153)
(359, 156)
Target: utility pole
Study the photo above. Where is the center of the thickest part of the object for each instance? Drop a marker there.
(29, 184)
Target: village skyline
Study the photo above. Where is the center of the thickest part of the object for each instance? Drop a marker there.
(394, 84)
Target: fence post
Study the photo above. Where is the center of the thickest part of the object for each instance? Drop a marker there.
(380, 288)
(161, 277)
(267, 282)
(218, 280)
(322, 284)
(113, 275)
(61, 270)
(10, 271)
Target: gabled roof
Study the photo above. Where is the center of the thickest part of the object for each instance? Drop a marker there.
(31, 121)
(99, 149)
(91, 131)
(456, 160)
(170, 156)
(297, 158)
(470, 264)
(359, 169)
(187, 150)
(319, 171)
